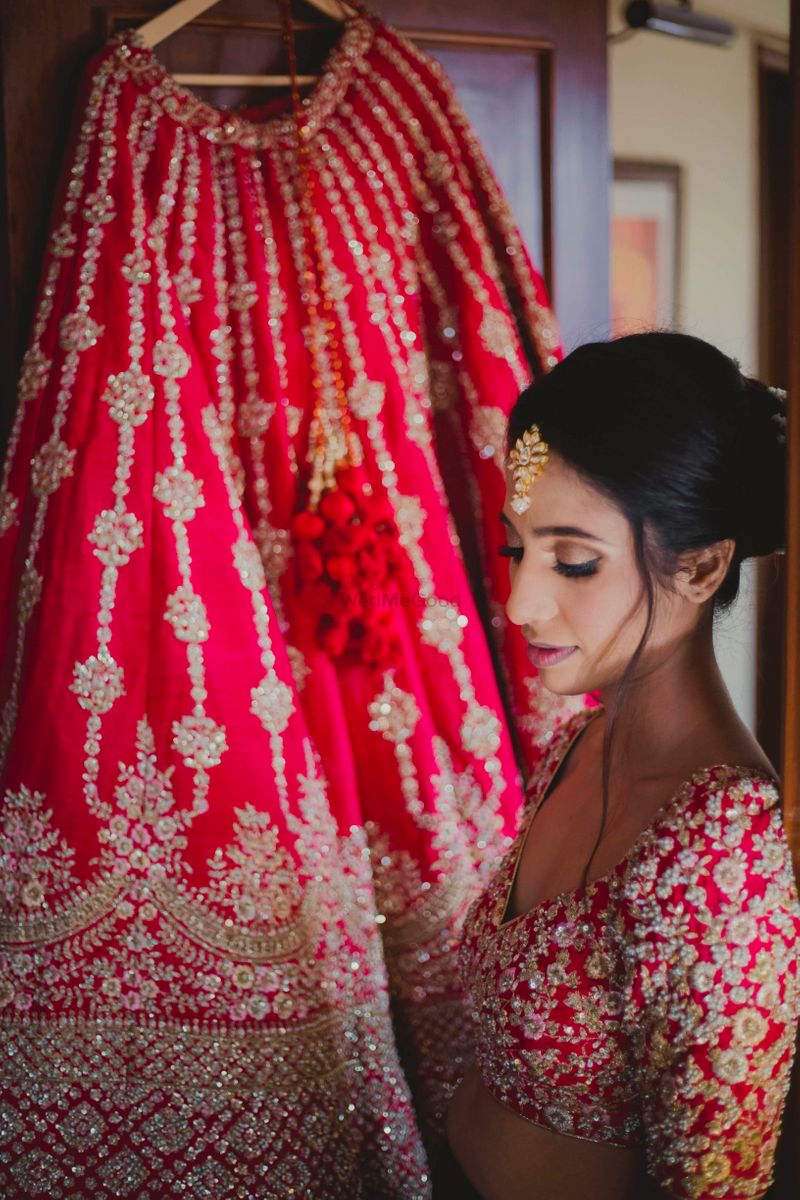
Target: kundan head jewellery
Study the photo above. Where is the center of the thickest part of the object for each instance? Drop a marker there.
(525, 462)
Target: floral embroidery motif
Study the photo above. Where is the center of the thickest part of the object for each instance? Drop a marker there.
(115, 536)
(439, 168)
(410, 519)
(187, 615)
(147, 834)
(62, 242)
(50, 467)
(222, 344)
(180, 493)
(98, 682)
(276, 549)
(365, 399)
(299, 666)
(487, 431)
(254, 417)
(256, 878)
(135, 268)
(495, 332)
(129, 396)
(79, 332)
(294, 416)
(170, 360)
(247, 561)
(30, 591)
(243, 295)
(442, 628)
(188, 287)
(35, 371)
(36, 863)
(272, 703)
(98, 209)
(394, 713)
(480, 732)
(200, 740)
(9, 506)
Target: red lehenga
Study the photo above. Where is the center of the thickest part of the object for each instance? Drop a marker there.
(223, 849)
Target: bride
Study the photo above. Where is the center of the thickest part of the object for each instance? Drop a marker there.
(633, 964)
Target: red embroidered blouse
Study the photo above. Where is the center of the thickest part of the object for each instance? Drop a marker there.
(658, 1006)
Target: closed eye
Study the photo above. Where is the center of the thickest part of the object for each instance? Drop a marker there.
(571, 570)
(577, 570)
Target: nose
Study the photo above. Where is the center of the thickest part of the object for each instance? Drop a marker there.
(529, 603)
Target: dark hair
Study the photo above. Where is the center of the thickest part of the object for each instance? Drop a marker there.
(688, 448)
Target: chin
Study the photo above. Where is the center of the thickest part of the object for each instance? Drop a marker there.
(574, 683)
(563, 687)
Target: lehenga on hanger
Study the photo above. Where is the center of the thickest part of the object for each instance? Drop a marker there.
(226, 843)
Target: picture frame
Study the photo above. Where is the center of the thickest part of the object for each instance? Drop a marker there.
(646, 231)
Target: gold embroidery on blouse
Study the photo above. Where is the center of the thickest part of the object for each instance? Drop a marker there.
(652, 1051)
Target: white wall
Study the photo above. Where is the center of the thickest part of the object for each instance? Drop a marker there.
(695, 105)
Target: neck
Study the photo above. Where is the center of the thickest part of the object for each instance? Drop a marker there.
(676, 695)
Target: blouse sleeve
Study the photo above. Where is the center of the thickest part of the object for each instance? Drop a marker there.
(713, 989)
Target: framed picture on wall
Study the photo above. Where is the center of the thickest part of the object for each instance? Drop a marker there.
(645, 245)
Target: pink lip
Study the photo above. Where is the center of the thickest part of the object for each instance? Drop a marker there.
(548, 656)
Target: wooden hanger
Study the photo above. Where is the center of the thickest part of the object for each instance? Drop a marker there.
(177, 15)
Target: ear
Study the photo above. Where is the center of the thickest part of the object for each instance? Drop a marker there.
(700, 572)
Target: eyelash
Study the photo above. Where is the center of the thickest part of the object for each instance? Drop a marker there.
(570, 570)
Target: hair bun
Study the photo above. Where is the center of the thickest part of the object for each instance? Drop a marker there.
(761, 484)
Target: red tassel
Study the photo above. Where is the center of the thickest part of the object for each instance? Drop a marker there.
(351, 544)
(337, 507)
(307, 526)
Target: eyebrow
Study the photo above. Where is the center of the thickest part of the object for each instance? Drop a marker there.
(558, 531)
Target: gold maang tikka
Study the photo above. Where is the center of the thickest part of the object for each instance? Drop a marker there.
(525, 462)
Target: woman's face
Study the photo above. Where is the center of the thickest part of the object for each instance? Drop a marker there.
(576, 591)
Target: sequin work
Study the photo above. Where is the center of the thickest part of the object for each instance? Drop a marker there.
(223, 855)
(659, 1005)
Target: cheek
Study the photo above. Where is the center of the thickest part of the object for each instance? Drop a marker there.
(608, 607)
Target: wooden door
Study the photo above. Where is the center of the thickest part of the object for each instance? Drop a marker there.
(532, 76)
(773, 361)
(791, 727)
(787, 1186)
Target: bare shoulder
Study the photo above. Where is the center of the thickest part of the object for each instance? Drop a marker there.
(658, 767)
(734, 749)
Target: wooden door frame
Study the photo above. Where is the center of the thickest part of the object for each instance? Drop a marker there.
(772, 65)
(787, 1185)
(791, 727)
